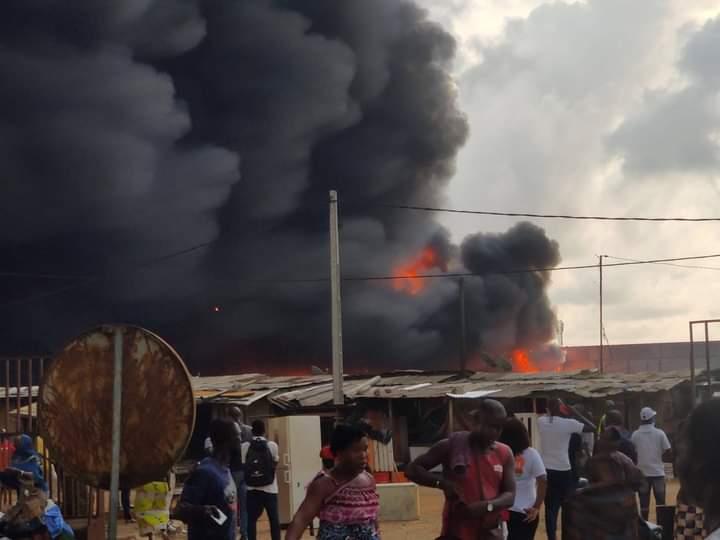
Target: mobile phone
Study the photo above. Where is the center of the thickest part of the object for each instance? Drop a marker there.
(220, 518)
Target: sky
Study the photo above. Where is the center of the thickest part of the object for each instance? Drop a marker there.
(605, 107)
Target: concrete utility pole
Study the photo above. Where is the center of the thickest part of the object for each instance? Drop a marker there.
(335, 306)
(463, 327)
(600, 267)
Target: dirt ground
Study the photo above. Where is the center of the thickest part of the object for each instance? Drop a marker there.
(426, 528)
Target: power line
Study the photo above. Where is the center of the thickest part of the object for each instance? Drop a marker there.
(95, 279)
(26, 275)
(475, 274)
(450, 275)
(695, 267)
(530, 270)
(547, 216)
(627, 262)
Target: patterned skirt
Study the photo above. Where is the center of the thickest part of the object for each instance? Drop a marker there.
(336, 531)
(689, 523)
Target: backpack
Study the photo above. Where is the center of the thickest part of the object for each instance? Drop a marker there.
(259, 464)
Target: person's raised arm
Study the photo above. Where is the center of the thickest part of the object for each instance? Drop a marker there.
(419, 470)
(317, 492)
(589, 427)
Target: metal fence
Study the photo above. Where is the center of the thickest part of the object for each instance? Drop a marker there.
(20, 383)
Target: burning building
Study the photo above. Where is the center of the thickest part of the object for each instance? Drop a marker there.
(214, 129)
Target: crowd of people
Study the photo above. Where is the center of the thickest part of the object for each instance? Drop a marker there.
(598, 478)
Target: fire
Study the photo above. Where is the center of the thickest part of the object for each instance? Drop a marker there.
(409, 281)
(522, 362)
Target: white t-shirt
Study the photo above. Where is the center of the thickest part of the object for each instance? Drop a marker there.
(555, 433)
(528, 467)
(275, 452)
(651, 443)
(714, 536)
(588, 439)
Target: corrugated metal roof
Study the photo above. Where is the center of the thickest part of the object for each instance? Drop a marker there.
(13, 391)
(400, 378)
(316, 390)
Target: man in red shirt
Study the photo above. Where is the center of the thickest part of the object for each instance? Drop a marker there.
(478, 476)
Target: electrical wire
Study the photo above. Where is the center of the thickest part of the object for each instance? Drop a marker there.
(26, 275)
(85, 281)
(449, 275)
(530, 270)
(478, 274)
(548, 216)
(695, 267)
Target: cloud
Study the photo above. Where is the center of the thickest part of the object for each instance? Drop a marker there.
(676, 130)
(569, 108)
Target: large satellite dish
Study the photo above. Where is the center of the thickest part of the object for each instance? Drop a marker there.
(76, 407)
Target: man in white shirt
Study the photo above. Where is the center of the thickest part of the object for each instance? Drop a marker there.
(555, 431)
(653, 450)
(260, 458)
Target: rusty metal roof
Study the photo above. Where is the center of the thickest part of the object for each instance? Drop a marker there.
(316, 391)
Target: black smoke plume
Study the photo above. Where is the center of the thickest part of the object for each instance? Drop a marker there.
(130, 130)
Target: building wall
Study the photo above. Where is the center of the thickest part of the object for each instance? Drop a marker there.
(642, 357)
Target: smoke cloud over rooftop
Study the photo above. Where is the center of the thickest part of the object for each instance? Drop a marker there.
(132, 130)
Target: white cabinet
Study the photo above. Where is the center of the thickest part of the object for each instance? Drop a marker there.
(299, 442)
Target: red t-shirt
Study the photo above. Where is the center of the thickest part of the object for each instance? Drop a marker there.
(482, 481)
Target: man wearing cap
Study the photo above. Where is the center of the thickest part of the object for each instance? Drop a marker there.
(653, 449)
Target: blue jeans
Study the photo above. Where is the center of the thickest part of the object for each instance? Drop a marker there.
(257, 502)
(239, 478)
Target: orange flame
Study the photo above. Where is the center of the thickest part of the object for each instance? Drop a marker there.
(409, 281)
(522, 362)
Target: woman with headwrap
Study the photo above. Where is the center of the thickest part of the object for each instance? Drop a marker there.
(34, 510)
(26, 459)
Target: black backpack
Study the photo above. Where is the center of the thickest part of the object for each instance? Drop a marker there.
(259, 464)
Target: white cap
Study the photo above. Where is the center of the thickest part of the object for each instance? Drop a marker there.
(647, 414)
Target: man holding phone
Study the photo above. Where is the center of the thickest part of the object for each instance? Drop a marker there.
(208, 503)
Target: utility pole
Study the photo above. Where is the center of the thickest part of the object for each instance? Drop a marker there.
(335, 306)
(561, 333)
(463, 328)
(600, 267)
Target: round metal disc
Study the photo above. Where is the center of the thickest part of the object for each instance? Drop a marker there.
(76, 404)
